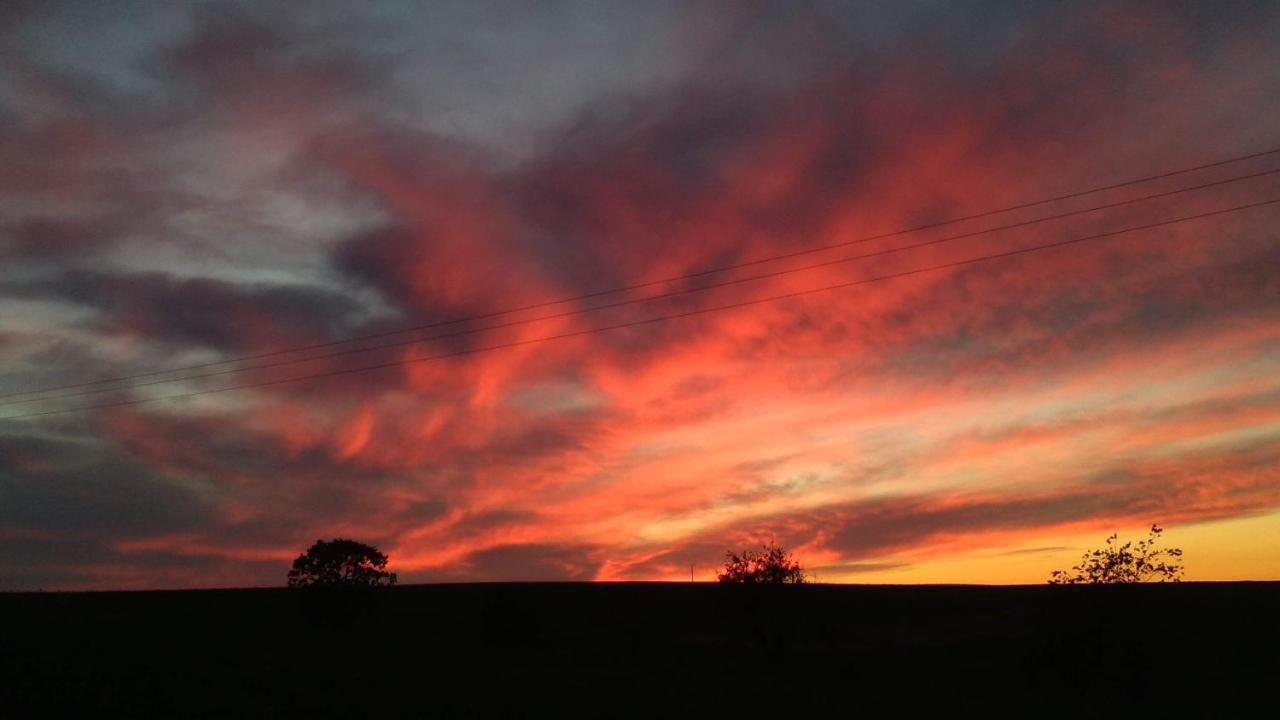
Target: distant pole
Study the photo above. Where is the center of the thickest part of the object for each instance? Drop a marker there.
(690, 572)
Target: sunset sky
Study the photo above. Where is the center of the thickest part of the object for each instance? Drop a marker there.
(187, 183)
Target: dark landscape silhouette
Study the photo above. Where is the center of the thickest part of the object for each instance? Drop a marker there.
(640, 649)
(344, 641)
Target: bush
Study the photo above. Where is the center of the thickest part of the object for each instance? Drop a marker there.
(768, 565)
(1127, 563)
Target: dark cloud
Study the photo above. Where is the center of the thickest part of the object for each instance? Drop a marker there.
(533, 562)
(855, 568)
(482, 523)
(395, 261)
(703, 554)
(56, 564)
(675, 179)
(1036, 551)
(871, 528)
(66, 487)
(204, 312)
(48, 239)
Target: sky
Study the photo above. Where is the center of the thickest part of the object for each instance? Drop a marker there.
(185, 184)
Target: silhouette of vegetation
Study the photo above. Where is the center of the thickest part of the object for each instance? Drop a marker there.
(341, 563)
(768, 565)
(1127, 563)
(639, 650)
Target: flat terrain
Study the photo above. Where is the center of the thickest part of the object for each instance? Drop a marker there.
(641, 649)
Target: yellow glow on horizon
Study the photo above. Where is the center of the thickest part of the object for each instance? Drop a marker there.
(1237, 549)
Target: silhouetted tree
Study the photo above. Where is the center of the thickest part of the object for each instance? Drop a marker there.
(1127, 563)
(770, 564)
(341, 563)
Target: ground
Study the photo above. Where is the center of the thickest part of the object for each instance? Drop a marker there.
(634, 649)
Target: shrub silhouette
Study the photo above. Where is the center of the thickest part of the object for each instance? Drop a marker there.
(768, 565)
(341, 563)
(1127, 563)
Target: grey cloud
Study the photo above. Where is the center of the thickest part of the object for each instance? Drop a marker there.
(854, 568)
(66, 487)
(526, 563)
(202, 311)
(1036, 551)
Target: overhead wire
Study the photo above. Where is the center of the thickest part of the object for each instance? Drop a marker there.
(636, 286)
(660, 318)
(648, 298)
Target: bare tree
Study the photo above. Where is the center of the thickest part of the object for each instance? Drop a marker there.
(1127, 563)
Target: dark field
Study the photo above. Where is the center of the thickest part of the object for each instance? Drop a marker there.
(640, 649)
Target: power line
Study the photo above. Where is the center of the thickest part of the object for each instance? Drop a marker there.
(650, 283)
(659, 318)
(647, 298)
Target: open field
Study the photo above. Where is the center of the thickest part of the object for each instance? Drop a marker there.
(635, 649)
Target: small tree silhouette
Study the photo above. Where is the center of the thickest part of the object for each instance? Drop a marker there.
(341, 563)
(1127, 563)
(770, 564)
